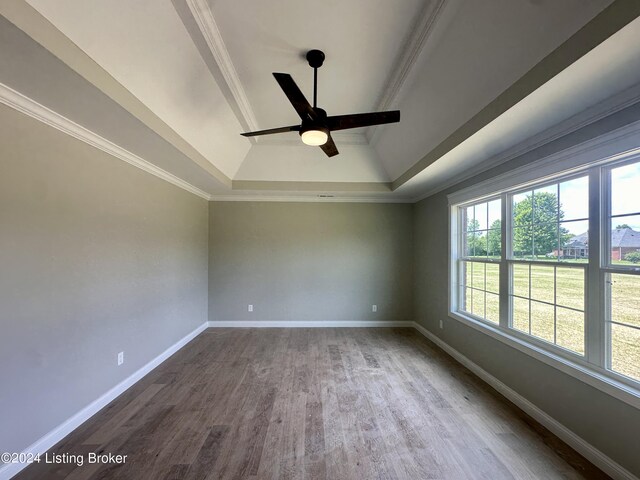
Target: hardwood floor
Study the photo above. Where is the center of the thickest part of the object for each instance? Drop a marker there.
(334, 403)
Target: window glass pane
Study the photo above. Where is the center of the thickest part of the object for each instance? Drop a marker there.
(478, 303)
(477, 280)
(469, 244)
(520, 280)
(625, 240)
(545, 205)
(480, 247)
(624, 189)
(542, 283)
(542, 321)
(570, 287)
(625, 299)
(494, 243)
(522, 242)
(570, 329)
(481, 216)
(493, 307)
(492, 277)
(545, 241)
(495, 213)
(469, 220)
(520, 314)
(625, 351)
(574, 199)
(522, 209)
(574, 238)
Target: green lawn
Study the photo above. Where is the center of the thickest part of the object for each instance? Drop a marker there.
(563, 324)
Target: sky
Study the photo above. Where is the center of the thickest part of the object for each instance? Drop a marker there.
(625, 194)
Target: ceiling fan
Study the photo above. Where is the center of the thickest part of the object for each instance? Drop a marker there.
(316, 126)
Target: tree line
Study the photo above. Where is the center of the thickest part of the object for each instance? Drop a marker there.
(535, 227)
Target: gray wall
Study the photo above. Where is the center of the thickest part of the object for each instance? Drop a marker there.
(310, 261)
(608, 424)
(96, 257)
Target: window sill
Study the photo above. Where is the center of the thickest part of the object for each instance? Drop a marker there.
(590, 375)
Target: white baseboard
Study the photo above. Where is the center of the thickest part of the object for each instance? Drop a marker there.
(588, 451)
(307, 324)
(64, 429)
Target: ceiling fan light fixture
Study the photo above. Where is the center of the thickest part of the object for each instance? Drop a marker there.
(315, 136)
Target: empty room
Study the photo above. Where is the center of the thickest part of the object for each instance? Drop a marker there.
(339, 240)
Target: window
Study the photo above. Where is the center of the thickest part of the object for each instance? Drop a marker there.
(555, 264)
(550, 225)
(623, 281)
(480, 237)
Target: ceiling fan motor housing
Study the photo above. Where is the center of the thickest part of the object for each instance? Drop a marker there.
(315, 58)
(314, 131)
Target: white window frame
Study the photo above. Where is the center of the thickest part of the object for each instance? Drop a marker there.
(594, 158)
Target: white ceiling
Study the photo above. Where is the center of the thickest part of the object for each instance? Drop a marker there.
(204, 68)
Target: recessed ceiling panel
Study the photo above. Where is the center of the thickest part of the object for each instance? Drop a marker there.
(301, 163)
(360, 38)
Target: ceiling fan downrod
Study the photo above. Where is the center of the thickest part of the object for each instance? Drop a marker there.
(315, 59)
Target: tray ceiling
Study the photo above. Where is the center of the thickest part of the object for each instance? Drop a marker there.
(202, 70)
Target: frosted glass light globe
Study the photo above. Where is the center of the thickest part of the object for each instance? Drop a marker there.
(314, 137)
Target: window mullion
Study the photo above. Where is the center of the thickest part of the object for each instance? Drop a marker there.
(594, 308)
(505, 226)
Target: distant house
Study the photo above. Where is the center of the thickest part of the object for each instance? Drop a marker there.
(623, 240)
(577, 247)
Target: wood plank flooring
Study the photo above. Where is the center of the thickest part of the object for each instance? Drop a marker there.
(324, 403)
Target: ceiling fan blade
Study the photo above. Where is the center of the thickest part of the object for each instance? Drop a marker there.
(330, 148)
(292, 128)
(295, 96)
(342, 122)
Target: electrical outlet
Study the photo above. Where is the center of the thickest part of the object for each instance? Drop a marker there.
(120, 358)
(250, 308)
(441, 324)
(374, 308)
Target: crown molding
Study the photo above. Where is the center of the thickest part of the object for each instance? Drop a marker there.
(608, 107)
(305, 186)
(203, 17)
(322, 198)
(414, 44)
(39, 112)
